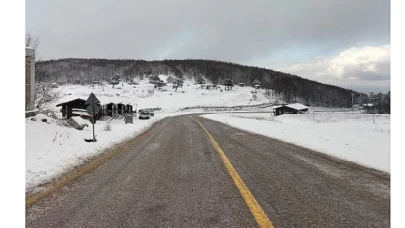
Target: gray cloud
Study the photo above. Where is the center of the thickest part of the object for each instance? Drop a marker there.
(229, 30)
(363, 67)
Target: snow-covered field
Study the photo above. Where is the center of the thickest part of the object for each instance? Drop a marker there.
(364, 139)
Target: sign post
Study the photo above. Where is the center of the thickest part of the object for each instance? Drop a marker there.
(93, 108)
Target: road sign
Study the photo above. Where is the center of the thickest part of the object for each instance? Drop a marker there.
(93, 109)
(92, 99)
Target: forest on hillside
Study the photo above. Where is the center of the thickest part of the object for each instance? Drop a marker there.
(287, 87)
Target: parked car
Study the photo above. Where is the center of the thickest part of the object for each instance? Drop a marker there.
(144, 114)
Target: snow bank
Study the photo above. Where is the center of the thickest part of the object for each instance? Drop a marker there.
(364, 139)
(52, 150)
(80, 120)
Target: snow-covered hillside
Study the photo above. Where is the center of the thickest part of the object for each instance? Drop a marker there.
(145, 95)
(364, 139)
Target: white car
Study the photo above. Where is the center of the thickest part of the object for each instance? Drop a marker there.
(144, 114)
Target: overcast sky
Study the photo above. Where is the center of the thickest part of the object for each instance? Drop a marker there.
(340, 42)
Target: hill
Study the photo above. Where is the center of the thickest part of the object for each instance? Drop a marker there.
(287, 87)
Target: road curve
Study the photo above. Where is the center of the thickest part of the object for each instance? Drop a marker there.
(174, 177)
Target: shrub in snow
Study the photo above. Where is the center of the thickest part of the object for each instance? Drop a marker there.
(107, 126)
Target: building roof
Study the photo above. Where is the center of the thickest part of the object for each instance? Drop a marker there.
(277, 106)
(78, 100)
(297, 106)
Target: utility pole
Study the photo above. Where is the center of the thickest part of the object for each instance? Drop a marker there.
(92, 104)
(351, 88)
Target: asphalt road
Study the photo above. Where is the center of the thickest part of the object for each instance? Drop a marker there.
(174, 177)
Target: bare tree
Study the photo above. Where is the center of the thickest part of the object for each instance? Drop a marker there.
(31, 42)
(45, 96)
(115, 80)
(178, 82)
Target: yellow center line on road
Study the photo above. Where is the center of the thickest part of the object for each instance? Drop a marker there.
(258, 213)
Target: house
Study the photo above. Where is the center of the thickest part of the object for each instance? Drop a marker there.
(241, 84)
(257, 86)
(207, 86)
(289, 109)
(369, 108)
(97, 82)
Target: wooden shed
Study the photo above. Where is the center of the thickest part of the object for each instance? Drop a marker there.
(207, 86)
(289, 109)
(120, 108)
(128, 109)
(108, 109)
(67, 107)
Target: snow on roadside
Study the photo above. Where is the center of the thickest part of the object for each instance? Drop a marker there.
(360, 138)
(52, 150)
